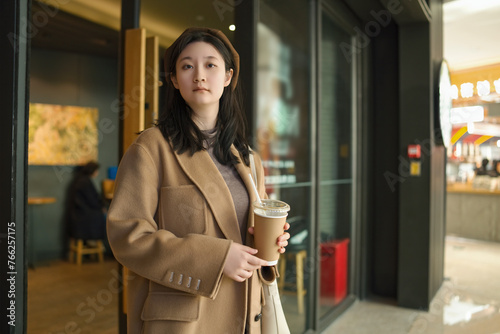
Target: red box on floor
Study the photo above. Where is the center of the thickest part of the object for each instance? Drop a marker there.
(334, 269)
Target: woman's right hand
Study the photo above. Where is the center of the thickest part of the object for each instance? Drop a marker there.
(241, 262)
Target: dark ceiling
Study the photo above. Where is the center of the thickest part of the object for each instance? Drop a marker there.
(57, 30)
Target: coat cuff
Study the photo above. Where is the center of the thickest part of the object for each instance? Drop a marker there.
(220, 277)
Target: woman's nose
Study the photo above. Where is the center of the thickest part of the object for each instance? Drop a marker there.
(199, 75)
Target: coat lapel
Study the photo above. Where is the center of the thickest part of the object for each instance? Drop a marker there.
(202, 171)
(245, 172)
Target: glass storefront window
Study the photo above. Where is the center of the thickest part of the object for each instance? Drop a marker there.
(282, 126)
(335, 152)
(308, 152)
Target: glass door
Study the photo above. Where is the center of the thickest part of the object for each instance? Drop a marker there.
(303, 124)
(283, 134)
(335, 151)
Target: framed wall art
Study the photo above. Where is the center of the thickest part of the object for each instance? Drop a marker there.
(62, 135)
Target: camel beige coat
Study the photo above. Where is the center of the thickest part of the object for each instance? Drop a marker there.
(171, 223)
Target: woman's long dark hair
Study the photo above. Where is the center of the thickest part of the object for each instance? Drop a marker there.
(176, 124)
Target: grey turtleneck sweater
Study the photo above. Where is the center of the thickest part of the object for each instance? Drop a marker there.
(234, 182)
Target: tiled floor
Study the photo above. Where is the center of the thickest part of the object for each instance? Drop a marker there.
(467, 303)
(473, 285)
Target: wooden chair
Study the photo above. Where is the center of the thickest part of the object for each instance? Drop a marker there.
(299, 258)
(295, 251)
(77, 249)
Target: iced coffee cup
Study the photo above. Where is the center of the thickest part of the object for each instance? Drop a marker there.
(269, 223)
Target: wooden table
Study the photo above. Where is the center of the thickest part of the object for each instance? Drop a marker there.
(41, 200)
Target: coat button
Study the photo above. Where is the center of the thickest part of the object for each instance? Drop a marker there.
(258, 317)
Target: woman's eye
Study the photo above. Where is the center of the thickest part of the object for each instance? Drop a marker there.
(211, 65)
(187, 66)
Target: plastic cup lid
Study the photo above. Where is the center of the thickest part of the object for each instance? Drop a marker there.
(272, 205)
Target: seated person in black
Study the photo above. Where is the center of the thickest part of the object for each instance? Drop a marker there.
(86, 213)
(483, 170)
(495, 172)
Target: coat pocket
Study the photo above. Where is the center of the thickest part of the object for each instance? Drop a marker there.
(171, 306)
(183, 210)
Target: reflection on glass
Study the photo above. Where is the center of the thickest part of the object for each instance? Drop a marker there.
(283, 137)
(335, 165)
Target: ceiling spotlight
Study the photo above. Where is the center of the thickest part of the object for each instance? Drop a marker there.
(466, 114)
(483, 88)
(497, 85)
(466, 90)
(483, 129)
(232, 27)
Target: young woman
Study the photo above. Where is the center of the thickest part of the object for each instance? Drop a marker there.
(180, 219)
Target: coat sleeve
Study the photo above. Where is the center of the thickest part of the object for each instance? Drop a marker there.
(193, 263)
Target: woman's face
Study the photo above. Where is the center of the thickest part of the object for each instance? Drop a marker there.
(201, 76)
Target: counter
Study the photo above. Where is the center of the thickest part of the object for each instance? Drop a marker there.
(473, 212)
(468, 188)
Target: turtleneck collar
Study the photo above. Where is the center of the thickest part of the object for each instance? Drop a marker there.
(209, 137)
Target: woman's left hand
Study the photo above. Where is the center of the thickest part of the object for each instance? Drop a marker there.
(282, 240)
